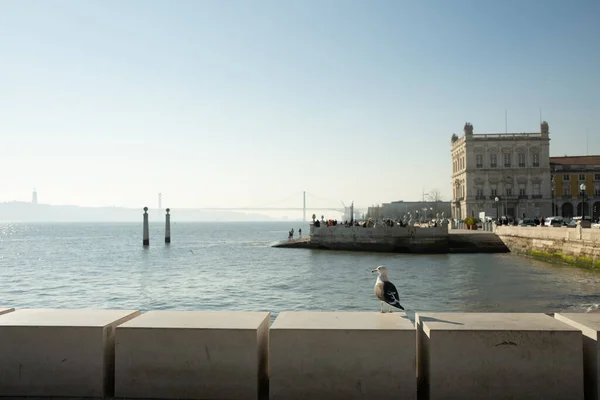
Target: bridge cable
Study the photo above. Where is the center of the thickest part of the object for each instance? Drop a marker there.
(297, 195)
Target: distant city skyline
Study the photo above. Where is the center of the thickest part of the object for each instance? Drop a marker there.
(229, 104)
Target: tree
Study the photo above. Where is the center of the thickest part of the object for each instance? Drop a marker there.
(435, 196)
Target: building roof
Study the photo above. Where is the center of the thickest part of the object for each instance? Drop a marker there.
(576, 160)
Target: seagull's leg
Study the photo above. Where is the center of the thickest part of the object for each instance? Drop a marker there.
(390, 310)
(381, 306)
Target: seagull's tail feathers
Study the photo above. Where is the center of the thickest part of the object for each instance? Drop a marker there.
(396, 304)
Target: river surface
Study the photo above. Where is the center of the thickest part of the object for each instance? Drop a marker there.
(231, 266)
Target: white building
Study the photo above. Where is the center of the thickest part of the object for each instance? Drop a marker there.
(512, 167)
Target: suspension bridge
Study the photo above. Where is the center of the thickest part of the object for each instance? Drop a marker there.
(285, 204)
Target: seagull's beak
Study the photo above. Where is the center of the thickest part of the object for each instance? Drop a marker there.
(374, 271)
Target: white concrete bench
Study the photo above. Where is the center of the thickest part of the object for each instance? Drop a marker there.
(589, 325)
(58, 353)
(6, 310)
(192, 355)
(342, 355)
(498, 356)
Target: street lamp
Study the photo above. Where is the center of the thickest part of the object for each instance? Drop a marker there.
(497, 216)
(582, 187)
(554, 207)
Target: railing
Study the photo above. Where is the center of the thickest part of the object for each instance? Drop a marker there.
(536, 196)
(505, 135)
(523, 196)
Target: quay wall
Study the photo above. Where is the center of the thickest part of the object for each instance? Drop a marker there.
(215, 355)
(381, 238)
(578, 246)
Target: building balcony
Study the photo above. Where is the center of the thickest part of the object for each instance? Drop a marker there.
(523, 196)
(566, 197)
(536, 196)
(479, 197)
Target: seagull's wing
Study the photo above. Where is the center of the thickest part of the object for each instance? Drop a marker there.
(391, 295)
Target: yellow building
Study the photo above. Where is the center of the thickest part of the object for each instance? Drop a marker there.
(568, 176)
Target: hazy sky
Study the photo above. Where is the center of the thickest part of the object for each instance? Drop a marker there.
(242, 103)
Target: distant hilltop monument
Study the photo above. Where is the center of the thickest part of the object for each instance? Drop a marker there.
(34, 199)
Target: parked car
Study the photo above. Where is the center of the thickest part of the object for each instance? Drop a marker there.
(571, 224)
(554, 221)
(528, 222)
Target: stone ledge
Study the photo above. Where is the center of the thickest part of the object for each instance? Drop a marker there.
(589, 324)
(58, 353)
(192, 355)
(342, 355)
(498, 356)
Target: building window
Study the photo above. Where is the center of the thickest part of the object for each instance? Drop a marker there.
(597, 189)
(582, 177)
(507, 160)
(479, 192)
(509, 191)
(597, 177)
(536, 160)
(479, 160)
(493, 160)
(536, 189)
(521, 160)
(566, 191)
(521, 191)
(566, 178)
(494, 192)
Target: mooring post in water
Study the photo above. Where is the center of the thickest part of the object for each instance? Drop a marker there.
(146, 230)
(168, 227)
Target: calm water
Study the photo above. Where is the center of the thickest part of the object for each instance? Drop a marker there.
(231, 266)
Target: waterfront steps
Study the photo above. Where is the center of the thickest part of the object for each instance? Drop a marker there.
(317, 355)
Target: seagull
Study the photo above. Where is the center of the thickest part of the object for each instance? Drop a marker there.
(385, 290)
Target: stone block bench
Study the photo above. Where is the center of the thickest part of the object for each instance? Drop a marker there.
(192, 355)
(58, 353)
(498, 356)
(589, 325)
(342, 355)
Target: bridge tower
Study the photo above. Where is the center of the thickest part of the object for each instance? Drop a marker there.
(304, 206)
